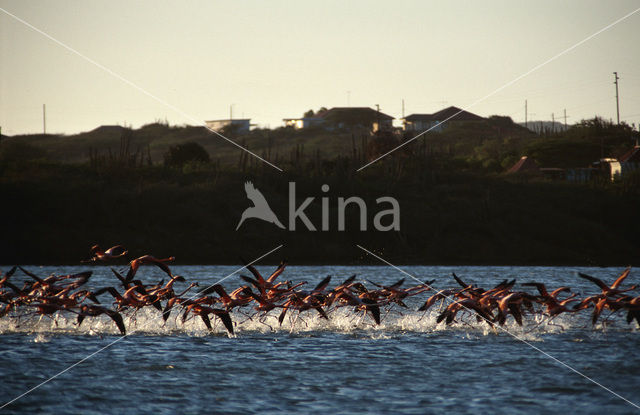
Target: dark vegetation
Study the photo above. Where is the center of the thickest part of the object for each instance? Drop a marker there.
(154, 191)
(182, 154)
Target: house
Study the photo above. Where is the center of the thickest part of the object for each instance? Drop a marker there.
(345, 118)
(240, 126)
(610, 167)
(436, 121)
(357, 117)
(418, 122)
(304, 122)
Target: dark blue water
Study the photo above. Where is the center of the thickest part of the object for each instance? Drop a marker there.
(408, 364)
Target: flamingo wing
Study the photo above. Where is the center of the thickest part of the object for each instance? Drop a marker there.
(323, 284)
(542, 289)
(226, 319)
(459, 281)
(277, 272)
(116, 251)
(621, 278)
(594, 280)
(117, 318)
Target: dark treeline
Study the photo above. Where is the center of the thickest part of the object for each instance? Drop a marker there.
(456, 207)
(54, 213)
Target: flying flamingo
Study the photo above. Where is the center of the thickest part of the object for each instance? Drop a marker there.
(111, 253)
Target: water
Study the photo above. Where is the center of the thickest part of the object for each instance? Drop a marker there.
(408, 364)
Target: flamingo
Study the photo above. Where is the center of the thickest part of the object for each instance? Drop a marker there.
(114, 252)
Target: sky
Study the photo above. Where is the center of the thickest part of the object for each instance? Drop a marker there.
(189, 61)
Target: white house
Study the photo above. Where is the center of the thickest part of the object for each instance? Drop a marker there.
(610, 166)
(304, 122)
(241, 125)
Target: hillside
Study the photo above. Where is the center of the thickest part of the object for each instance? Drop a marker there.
(155, 140)
(490, 146)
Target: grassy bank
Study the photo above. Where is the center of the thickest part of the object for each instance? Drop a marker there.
(54, 212)
(61, 194)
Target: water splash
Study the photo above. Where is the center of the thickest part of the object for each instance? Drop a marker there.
(341, 320)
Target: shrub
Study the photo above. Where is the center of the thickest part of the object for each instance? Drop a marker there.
(15, 150)
(181, 154)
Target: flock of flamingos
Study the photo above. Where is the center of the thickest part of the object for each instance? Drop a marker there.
(259, 296)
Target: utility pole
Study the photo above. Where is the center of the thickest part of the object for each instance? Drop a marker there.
(565, 118)
(525, 114)
(617, 98)
(44, 118)
(553, 123)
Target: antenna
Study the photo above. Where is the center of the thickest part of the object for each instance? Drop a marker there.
(617, 98)
(565, 118)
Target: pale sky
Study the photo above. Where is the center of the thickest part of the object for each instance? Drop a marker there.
(276, 59)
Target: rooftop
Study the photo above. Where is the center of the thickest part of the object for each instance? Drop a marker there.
(452, 112)
(355, 112)
(631, 156)
(525, 164)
